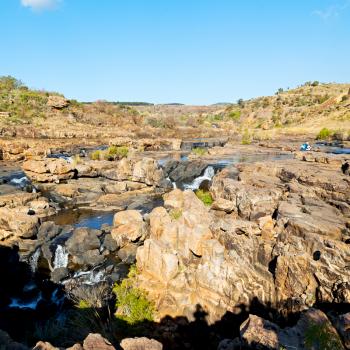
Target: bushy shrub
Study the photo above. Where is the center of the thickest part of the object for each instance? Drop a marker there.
(205, 197)
(175, 214)
(116, 152)
(76, 160)
(320, 336)
(198, 151)
(95, 155)
(234, 115)
(276, 118)
(90, 314)
(132, 303)
(246, 138)
(324, 134)
(322, 98)
(111, 153)
(155, 123)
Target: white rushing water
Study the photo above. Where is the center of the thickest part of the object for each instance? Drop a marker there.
(20, 182)
(208, 175)
(172, 182)
(89, 277)
(61, 257)
(33, 260)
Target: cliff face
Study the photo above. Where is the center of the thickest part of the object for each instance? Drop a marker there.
(276, 232)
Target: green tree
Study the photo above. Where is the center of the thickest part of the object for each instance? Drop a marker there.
(240, 102)
(10, 83)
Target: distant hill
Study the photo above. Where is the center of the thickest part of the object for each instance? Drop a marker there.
(300, 111)
(306, 108)
(124, 103)
(221, 104)
(172, 104)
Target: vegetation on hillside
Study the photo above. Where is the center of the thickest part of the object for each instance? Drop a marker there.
(304, 110)
(22, 105)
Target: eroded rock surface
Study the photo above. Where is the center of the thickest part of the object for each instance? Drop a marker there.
(140, 344)
(48, 170)
(313, 331)
(278, 232)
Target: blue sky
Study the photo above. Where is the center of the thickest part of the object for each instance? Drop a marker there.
(189, 51)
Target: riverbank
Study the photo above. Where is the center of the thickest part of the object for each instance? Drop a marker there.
(271, 238)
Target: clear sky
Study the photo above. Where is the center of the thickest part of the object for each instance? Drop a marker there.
(189, 51)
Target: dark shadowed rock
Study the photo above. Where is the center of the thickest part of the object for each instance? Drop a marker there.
(187, 171)
(82, 240)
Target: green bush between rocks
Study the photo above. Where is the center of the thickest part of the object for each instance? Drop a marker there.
(132, 304)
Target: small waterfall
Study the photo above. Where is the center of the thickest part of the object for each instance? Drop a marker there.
(89, 277)
(20, 182)
(208, 175)
(172, 182)
(33, 260)
(61, 257)
(96, 277)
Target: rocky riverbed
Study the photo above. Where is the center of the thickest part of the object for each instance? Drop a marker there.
(258, 266)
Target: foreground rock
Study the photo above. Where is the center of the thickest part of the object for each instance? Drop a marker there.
(140, 344)
(7, 343)
(93, 341)
(277, 232)
(313, 331)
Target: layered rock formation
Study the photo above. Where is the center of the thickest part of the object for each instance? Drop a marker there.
(93, 341)
(99, 183)
(276, 232)
(20, 214)
(48, 170)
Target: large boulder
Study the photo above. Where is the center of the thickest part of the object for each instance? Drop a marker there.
(57, 102)
(82, 240)
(260, 334)
(18, 223)
(129, 227)
(313, 331)
(185, 227)
(140, 344)
(95, 341)
(84, 247)
(342, 324)
(48, 170)
(7, 343)
(185, 171)
(147, 171)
